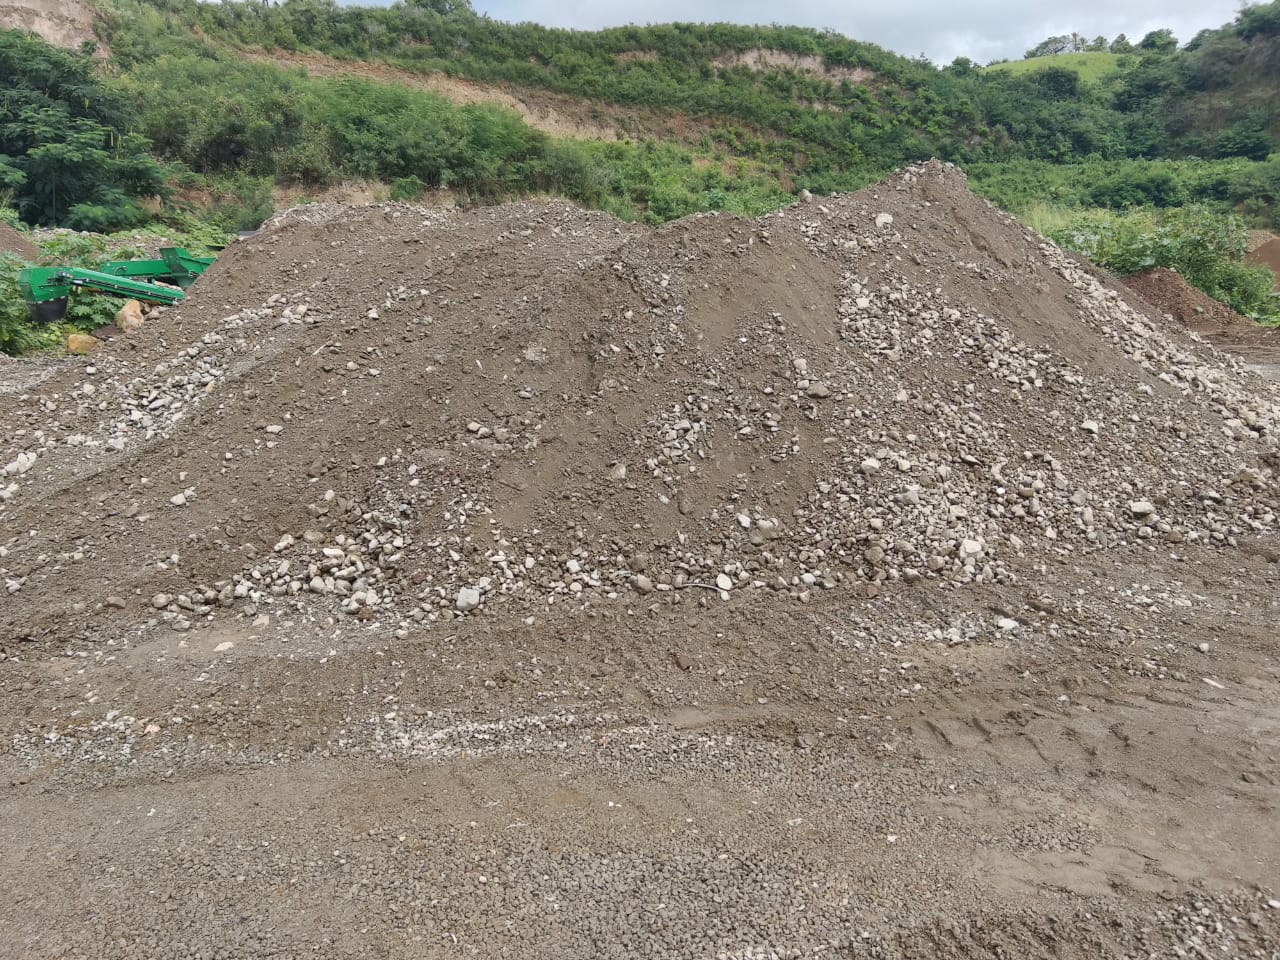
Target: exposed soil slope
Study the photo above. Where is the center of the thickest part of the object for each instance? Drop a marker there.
(1167, 292)
(64, 23)
(11, 241)
(1268, 255)
(558, 116)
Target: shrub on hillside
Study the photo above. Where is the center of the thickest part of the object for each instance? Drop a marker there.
(1205, 246)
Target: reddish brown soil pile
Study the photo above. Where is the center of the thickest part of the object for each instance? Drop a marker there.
(11, 241)
(1267, 255)
(1168, 292)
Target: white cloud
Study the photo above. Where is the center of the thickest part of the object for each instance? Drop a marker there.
(982, 30)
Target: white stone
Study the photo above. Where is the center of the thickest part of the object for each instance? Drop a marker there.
(468, 599)
(724, 581)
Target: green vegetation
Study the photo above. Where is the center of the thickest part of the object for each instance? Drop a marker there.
(265, 123)
(17, 334)
(1203, 245)
(1251, 189)
(1091, 68)
(67, 151)
(1120, 133)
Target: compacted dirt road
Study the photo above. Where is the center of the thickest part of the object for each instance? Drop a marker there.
(1090, 783)
(869, 580)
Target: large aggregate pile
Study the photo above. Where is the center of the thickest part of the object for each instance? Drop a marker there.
(410, 415)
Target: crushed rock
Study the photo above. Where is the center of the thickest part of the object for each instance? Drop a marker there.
(435, 414)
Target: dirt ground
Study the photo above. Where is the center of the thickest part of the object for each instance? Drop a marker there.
(867, 580)
(1165, 291)
(1267, 255)
(11, 241)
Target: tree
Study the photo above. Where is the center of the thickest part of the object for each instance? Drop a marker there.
(1260, 20)
(1159, 41)
(62, 153)
(1121, 44)
(1058, 83)
(445, 8)
(1050, 47)
(1247, 139)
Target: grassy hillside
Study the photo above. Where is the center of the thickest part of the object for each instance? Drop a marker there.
(706, 116)
(202, 110)
(1218, 96)
(1089, 67)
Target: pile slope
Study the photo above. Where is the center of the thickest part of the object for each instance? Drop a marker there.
(400, 415)
(866, 580)
(11, 241)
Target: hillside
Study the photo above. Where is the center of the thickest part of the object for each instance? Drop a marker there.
(229, 107)
(1089, 67)
(825, 112)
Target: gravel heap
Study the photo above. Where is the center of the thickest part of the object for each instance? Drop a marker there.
(414, 415)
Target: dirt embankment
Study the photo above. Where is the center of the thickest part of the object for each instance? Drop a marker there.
(555, 115)
(762, 59)
(867, 579)
(11, 241)
(1267, 255)
(64, 23)
(1167, 292)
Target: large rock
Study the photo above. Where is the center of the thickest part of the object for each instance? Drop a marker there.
(130, 316)
(468, 599)
(82, 343)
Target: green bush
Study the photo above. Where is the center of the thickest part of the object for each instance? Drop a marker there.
(241, 203)
(1205, 246)
(1140, 186)
(65, 154)
(407, 189)
(17, 334)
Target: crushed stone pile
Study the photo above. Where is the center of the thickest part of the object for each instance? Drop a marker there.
(411, 415)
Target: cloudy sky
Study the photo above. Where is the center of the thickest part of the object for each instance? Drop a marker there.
(942, 30)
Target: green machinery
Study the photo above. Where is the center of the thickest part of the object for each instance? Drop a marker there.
(163, 281)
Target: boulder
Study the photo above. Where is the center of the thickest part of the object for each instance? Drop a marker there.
(82, 343)
(130, 316)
